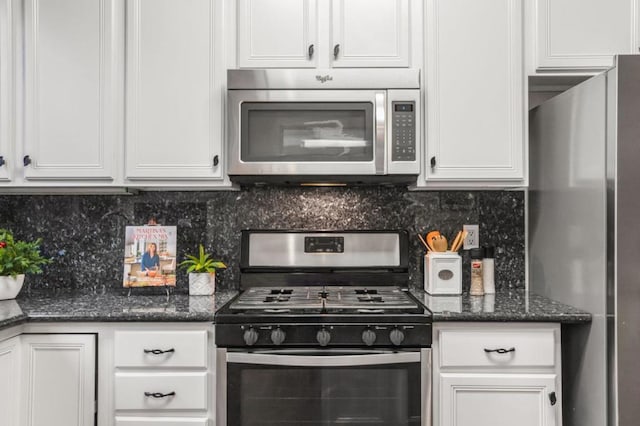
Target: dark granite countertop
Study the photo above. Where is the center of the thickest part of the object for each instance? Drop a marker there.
(111, 307)
(11, 313)
(507, 305)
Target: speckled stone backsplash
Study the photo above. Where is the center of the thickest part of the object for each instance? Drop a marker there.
(85, 234)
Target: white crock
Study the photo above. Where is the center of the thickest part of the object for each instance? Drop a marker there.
(10, 286)
(202, 284)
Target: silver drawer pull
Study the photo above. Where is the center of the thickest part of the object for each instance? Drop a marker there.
(500, 350)
(159, 351)
(158, 394)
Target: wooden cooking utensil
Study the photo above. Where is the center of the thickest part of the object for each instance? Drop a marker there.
(439, 243)
(455, 240)
(424, 243)
(460, 241)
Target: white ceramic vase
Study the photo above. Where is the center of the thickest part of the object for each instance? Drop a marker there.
(202, 284)
(10, 286)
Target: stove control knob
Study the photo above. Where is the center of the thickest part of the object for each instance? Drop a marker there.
(277, 336)
(369, 337)
(250, 336)
(323, 337)
(396, 336)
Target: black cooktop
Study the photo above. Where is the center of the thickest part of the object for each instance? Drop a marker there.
(323, 304)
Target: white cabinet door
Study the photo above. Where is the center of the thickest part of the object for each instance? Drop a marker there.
(173, 98)
(9, 381)
(498, 400)
(579, 34)
(58, 380)
(277, 34)
(6, 92)
(474, 91)
(69, 92)
(370, 33)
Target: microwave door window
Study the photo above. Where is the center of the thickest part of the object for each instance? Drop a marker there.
(307, 132)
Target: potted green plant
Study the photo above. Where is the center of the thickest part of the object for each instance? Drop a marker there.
(202, 272)
(17, 258)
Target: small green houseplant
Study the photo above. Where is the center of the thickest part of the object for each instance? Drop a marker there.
(202, 272)
(17, 258)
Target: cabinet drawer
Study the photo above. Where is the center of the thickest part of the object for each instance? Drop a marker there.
(160, 421)
(173, 348)
(190, 391)
(525, 348)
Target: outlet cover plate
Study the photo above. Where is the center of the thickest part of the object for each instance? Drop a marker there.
(472, 240)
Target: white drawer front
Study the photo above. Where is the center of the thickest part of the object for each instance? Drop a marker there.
(160, 421)
(185, 348)
(526, 348)
(190, 391)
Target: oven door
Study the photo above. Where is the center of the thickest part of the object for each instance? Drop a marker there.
(307, 132)
(322, 388)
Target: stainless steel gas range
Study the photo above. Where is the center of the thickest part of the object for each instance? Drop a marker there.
(324, 333)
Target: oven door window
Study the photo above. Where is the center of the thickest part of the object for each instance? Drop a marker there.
(279, 395)
(307, 132)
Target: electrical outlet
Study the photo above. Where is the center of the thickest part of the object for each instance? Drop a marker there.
(472, 240)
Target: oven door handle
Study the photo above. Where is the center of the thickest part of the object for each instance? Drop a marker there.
(301, 360)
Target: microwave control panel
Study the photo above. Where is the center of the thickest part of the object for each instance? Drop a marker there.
(403, 131)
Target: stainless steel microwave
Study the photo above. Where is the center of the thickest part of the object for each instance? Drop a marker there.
(323, 126)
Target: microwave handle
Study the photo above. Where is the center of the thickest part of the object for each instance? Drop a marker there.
(380, 133)
(300, 360)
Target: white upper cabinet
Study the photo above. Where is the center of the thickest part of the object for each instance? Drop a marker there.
(68, 91)
(6, 93)
(370, 33)
(324, 33)
(583, 35)
(277, 34)
(173, 96)
(475, 109)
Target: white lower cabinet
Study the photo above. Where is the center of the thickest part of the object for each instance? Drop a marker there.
(58, 380)
(9, 381)
(497, 374)
(161, 375)
(469, 399)
(161, 391)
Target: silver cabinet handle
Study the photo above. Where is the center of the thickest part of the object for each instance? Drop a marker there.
(336, 51)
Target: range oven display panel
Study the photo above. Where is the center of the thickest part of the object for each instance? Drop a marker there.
(324, 244)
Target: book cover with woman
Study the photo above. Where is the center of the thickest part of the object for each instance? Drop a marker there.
(150, 256)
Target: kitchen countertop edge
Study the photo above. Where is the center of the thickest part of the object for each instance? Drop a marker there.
(515, 305)
(505, 306)
(109, 308)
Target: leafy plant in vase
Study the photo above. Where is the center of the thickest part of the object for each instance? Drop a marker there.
(202, 273)
(17, 258)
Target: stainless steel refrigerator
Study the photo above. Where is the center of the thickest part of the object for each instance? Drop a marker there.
(584, 237)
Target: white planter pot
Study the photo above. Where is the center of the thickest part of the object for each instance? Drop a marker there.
(10, 286)
(202, 284)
